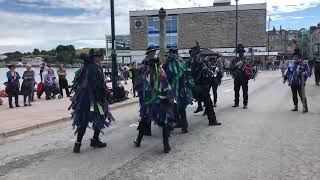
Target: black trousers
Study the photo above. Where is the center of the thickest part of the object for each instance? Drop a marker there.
(143, 129)
(215, 93)
(16, 99)
(204, 96)
(295, 91)
(63, 83)
(133, 88)
(317, 76)
(244, 85)
(82, 131)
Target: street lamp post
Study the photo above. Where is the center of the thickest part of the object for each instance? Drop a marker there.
(113, 52)
(236, 25)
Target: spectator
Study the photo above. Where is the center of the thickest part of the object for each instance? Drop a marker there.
(13, 85)
(134, 74)
(48, 83)
(63, 82)
(227, 66)
(283, 67)
(27, 87)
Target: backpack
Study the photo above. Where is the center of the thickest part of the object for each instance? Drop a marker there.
(249, 71)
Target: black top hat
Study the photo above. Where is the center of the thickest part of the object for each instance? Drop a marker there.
(150, 49)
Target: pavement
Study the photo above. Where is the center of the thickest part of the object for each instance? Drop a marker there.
(266, 141)
(43, 113)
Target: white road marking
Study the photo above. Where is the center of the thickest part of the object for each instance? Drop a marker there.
(133, 125)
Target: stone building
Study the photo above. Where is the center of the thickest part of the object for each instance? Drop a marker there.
(282, 41)
(213, 27)
(314, 42)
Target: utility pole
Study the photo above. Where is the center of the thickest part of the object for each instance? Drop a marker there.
(162, 35)
(236, 25)
(113, 52)
(268, 36)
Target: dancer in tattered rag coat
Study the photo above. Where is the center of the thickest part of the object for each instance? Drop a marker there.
(157, 102)
(89, 103)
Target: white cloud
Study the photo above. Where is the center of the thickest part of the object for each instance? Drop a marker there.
(27, 31)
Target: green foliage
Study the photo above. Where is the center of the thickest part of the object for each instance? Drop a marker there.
(13, 56)
(36, 52)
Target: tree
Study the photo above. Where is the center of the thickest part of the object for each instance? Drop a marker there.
(36, 52)
(44, 52)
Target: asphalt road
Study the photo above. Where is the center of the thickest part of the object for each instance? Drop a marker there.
(266, 141)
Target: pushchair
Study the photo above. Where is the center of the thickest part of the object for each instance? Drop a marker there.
(52, 91)
(55, 90)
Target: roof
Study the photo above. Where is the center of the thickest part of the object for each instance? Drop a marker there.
(242, 7)
(208, 52)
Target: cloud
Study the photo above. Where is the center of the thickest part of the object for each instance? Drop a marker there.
(25, 31)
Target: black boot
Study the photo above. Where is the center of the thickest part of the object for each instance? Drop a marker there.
(235, 105)
(295, 108)
(165, 134)
(76, 148)
(199, 109)
(137, 142)
(305, 107)
(212, 119)
(95, 141)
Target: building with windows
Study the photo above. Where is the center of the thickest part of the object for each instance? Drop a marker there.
(282, 41)
(213, 27)
(314, 42)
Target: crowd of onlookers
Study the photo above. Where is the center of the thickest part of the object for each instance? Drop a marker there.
(50, 85)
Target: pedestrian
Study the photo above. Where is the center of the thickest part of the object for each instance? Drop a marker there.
(217, 78)
(63, 82)
(227, 66)
(283, 67)
(43, 68)
(125, 74)
(89, 104)
(27, 88)
(317, 71)
(157, 105)
(240, 77)
(297, 74)
(48, 83)
(134, 75)
(13, 85)
(203, 80)
(179, 77)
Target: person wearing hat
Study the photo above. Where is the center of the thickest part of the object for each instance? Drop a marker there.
(157, 103)
(13, 85)
(297, 74)
(89, 102)
(150, 54)
(317, 71)
(179, 76)
(202, 75)
(240, 79)
(217, 77)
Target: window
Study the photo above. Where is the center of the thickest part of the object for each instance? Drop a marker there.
(154, 30)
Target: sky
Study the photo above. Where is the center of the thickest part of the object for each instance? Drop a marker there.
(44, 24)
